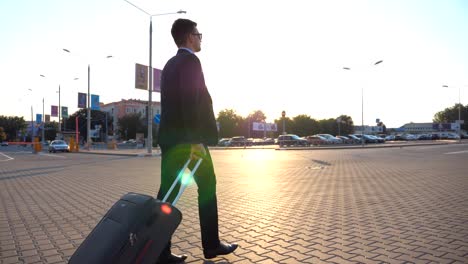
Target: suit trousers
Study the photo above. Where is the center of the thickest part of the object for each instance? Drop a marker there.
(173, 159)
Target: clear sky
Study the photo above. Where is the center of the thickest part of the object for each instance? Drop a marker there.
(256, 55)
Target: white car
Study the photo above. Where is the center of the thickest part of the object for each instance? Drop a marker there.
(5, 143)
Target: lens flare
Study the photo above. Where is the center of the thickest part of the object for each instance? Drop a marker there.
(186, 179)
(166, 209)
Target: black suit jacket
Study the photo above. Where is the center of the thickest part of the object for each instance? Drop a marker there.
(186, 108)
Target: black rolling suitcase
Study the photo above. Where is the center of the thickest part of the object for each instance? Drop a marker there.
(135, 230)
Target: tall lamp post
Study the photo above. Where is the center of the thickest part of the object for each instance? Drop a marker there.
(459, 112)
(59, 110)
(149, 143)
(283, 115)
(362, 104)
(88, 108)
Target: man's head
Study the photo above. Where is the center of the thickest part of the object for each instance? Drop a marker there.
(185, 34)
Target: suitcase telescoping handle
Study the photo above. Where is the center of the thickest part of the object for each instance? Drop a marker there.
(179, 177)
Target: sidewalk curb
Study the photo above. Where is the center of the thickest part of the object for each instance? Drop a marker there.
(157, 154)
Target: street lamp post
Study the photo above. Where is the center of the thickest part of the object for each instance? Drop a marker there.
(362, 104)
(283, 114)
(459, 113)
(149, 143)
(88, 108)
(59, 106)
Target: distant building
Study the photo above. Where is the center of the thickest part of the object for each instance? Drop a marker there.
(368, 129)
(125, 107)
(421, 128)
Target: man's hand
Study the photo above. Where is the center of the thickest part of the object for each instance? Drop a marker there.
(197, 151)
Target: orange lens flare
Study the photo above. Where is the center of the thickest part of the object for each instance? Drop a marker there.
(166, 209)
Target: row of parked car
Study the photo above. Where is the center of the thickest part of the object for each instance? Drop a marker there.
(327, 139)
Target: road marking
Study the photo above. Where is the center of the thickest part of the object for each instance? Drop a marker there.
(457, 152)
(8, 157)
(52, 155)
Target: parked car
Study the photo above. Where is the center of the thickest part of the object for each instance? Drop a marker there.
(452, 136)
(268, 141)
(223, 142)
(4, 143)
(356, 139)
(292, 140)
(59, 145)
(345, 139)
(239, 141)
(377, 138)
(331, 139)
(316, 140)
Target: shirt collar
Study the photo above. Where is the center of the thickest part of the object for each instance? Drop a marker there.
(187, 49)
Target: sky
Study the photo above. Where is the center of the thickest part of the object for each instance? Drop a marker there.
(256, 55)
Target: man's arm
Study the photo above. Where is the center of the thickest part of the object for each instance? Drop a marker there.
(191, 82)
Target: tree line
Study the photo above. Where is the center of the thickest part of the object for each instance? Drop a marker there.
(13, 128)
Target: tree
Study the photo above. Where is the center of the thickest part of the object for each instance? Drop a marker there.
(12, 126)
(346, 125)
(256, 116)
(2, 134)
(131, 124)
(328, 126)
(97, 118)
(229, 123)
(304, 125)
(449, 115)
(50, 130)
(288, 125)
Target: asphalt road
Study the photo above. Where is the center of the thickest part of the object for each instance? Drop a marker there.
(381, 205)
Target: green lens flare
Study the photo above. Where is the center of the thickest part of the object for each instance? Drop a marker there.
(186, 179)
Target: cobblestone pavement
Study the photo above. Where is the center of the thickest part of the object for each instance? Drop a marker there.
(395, 205)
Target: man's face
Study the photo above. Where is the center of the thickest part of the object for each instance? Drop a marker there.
(195, 40)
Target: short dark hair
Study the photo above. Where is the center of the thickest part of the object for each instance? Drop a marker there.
(181, 28)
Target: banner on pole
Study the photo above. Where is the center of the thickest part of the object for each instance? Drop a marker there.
(64, 111)
(95, 102)
(38, 118)
(157, 80)
(54, 110)
(141, 76)
(81, 100)
(47, 118)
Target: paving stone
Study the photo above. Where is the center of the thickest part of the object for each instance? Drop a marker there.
(363, 206)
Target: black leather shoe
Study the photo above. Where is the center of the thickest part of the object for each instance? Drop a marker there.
(172, 259)
(222, 249)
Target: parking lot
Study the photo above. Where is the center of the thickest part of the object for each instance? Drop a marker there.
(361, 205)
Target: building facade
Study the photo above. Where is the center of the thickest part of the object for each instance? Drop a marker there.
(131, 106)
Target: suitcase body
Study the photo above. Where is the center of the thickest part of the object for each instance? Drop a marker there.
(135, 230)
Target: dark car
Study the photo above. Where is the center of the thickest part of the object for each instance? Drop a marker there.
(59, 145)
(239, 141)
(4, 143)
(292, 140)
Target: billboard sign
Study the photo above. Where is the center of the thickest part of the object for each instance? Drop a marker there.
(259, 126)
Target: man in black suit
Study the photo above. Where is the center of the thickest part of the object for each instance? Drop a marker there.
(187, 127)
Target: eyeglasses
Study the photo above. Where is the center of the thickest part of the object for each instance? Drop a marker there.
(199, 35)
